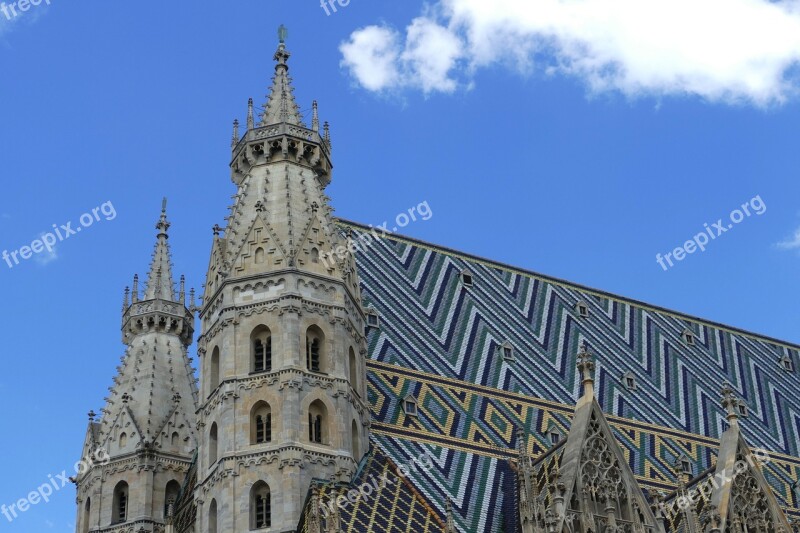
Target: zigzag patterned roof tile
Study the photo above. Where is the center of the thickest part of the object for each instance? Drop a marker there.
(438, 341)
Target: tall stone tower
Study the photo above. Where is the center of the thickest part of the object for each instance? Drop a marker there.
(142, 447)
(282, 344)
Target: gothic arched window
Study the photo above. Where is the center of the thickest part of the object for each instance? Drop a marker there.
(261, 349)
(212, 517)
(87, 514)
(213, 371)
(120, 503)
(315, 341)
(212, 445)
(353, 369)
(260, 506)
(261, 423)
(317, 416)
(171, 498)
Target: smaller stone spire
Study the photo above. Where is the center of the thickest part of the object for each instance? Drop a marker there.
(586, 368)
(327, 134)
(315, 116)
(125, 303)
(250, 120)
(281, 106)
(160, 281)
(235, 136)
(135, 293)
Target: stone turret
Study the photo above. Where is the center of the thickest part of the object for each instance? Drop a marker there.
(147, 432)
(282, 344)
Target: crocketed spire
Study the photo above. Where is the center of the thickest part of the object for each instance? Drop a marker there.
(281, 106)
(160, 284)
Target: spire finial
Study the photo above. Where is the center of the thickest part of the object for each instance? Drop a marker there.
(586, 367)
(92, 415)
(282, 55)
(729, 402)
(163, 224)
(250, 119)
(125, 300)
(182, 293)
(135, 296)
(327, 134)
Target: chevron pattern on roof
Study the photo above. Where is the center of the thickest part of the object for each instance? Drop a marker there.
(438, 340)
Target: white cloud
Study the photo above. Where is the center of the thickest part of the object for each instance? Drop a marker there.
(372, 55)
(431, 53)
(379, 61)
(720, 50)
(791, 243)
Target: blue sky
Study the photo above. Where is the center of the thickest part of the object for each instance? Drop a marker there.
(540, 135)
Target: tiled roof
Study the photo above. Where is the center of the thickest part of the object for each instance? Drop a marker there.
(384, 503)
(438, 341)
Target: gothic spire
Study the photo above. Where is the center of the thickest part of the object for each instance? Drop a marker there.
(281, 106)
(741, 498)
(616, 495)
(159, 281)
